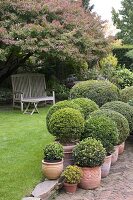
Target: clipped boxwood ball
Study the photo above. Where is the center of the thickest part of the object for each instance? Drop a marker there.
(59, 105)
(87, 105)
(104, 129)
(127, 94)
(123, 108)
(53, 152)
(89, 153)
(119, 119)
(97, 90)
(67, 124)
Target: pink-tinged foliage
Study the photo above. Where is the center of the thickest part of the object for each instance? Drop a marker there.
(60, 28)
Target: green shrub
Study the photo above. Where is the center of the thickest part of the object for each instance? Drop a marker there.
(104, 129)
(108, 66)
(87, 105)
(123, 108)
(127, 94)
(67, 124)
(97, 90)
(61, 91)
(53, 151)
(59, 105)
(89, 153)
(130, 102)
(72, 174)
(121, 54)
(123, 78)
(5, 95)
(119, 119)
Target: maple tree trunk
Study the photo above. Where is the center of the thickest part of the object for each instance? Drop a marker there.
(11, 66)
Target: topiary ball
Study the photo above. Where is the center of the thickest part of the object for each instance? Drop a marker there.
(67, 124)
(119, 119)
(89, 153)
(127, 94)
(123, 108)
(97, 90)
(104, 129)
(53, 152)
(59, 105)
(87, 105)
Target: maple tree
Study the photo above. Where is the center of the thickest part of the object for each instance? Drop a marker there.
(41, 30)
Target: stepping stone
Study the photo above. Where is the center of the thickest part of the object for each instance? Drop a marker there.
(44, 190)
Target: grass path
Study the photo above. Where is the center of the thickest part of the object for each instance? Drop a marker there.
(22, 139)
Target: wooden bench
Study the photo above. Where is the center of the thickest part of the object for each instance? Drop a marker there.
(28, 88)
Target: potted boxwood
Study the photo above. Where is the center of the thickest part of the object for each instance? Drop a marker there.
(122, 126)
(60, 105)
(72, 176)
(104, 129)
(52, 164)
(87, 105)
(66, 125)
(89, 154)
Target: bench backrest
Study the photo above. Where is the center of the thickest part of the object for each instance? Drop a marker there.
(31, 85)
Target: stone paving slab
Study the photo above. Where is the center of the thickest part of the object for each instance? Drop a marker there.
(31, 198)
(43, 190)
(117, 186)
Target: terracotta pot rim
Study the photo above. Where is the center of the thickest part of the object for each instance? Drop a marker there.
(52, 163)
(90, 167)
(72, 184)
(68, 147)
(108, 156)
(121, 143)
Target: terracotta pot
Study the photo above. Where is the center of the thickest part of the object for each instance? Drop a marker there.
(91, 178)
(53, 170)
(105, 168)
(121, 148)
(114, 157)
(68, 155)
(70, 188)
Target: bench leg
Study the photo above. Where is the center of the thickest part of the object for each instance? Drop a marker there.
(22, 106)
(27, 108)
(35, 108)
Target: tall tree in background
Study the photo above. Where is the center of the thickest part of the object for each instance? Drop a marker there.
(123, 20)
(52, 30)
(86, 5)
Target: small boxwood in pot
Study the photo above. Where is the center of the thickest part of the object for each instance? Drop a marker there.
(72, 174)
(123, 108)
(104, 129)
(60, 105)
(53, 152)
(89, 153)
(67, 125)
(97, 90)
(87, 105)
(119, 119)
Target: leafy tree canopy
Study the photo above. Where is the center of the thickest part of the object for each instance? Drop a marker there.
(123, 20)
(38, 29)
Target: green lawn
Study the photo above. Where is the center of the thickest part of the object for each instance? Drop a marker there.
(22, 139)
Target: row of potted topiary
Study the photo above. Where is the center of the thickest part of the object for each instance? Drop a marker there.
(104, 127)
